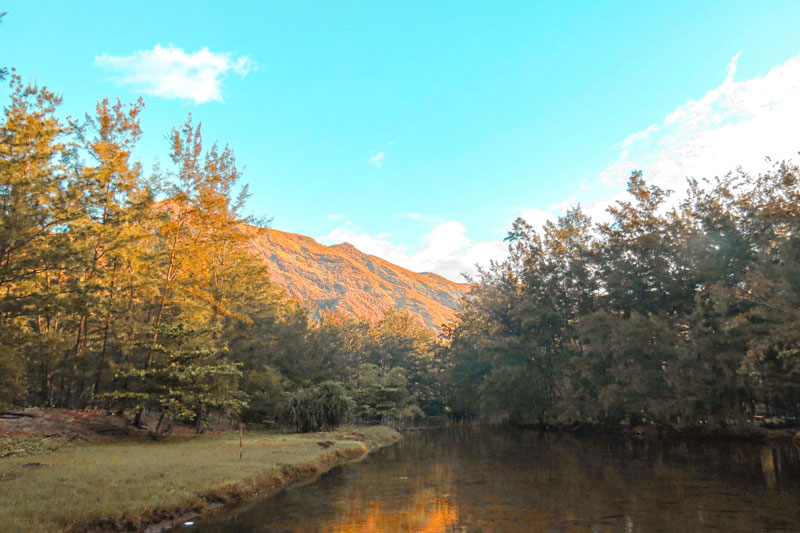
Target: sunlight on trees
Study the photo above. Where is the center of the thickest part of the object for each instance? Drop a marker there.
(669, 313)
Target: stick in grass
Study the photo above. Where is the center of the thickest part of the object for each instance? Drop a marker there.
(241, 445)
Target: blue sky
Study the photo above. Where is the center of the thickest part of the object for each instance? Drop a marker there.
(419, 131)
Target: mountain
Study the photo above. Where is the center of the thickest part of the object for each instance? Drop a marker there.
(341, 278)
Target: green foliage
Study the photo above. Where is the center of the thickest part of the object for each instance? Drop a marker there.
(661, 315)
(383, 396)
(266, 392)
(183, 379)
(318, 408)
(12, 377)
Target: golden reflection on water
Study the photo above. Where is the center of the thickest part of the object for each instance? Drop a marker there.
(768, 466)
(424, 514)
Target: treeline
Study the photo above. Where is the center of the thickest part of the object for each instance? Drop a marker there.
(137, 291)
(684, 312)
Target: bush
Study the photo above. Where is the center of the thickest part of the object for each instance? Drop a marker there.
(318, 408)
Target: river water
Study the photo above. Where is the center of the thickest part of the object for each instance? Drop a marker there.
(489, 479)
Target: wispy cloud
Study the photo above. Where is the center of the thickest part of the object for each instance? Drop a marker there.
(378, 159)
(447, 250)
(737, 124)
(562, 207)
(169, 72)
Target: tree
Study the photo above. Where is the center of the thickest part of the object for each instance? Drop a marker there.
(382, 395)
(187, 377)
(110, 237)
(38, 202)
(661, 315)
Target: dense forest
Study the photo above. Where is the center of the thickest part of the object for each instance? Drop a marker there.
(672, 312)
(136, 291)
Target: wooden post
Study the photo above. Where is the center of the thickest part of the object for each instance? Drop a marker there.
(241, 444)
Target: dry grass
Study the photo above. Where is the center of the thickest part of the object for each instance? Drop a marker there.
(130, 483)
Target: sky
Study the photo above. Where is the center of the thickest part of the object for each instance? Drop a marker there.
(418, 131)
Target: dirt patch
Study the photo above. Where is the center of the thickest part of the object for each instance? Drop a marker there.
(70, 425)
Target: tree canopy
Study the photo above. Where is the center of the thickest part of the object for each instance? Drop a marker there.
(137, 291)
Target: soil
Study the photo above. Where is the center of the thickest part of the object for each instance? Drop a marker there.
(88, 425)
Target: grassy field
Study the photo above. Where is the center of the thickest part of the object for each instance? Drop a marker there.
(128, 484)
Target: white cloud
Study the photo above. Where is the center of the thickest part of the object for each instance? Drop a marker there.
(171, 73)
(632, 138)
(378, 159)
(447, 250)
(737, 124)
(423, 217)
(537, 217)
(562, 207)
(334, 216)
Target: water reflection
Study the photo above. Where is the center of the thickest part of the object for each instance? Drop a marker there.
(768, 467)
(423, 513)
(476, 480)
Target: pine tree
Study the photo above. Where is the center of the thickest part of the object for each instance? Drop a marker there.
(38, 202)
(187, 377)
(110, 236)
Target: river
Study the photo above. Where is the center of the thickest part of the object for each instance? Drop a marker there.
(489, 479)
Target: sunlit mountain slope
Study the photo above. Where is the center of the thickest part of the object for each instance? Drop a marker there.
(342, 278)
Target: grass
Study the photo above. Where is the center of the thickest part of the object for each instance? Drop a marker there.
(22, 446)
(128, 484)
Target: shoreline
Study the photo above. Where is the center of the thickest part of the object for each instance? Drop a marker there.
(745, 433)
(147, 486)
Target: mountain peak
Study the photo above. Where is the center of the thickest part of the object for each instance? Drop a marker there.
(344, 279)
(347, 246)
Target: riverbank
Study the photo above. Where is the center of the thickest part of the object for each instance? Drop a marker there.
(508, 480)
(749, 433)
(134, 486)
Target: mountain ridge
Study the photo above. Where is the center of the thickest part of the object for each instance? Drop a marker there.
(341, 278)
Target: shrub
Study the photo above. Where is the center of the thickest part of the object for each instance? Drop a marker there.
(319, 407)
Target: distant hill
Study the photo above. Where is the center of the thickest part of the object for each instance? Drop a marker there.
(342, 278)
